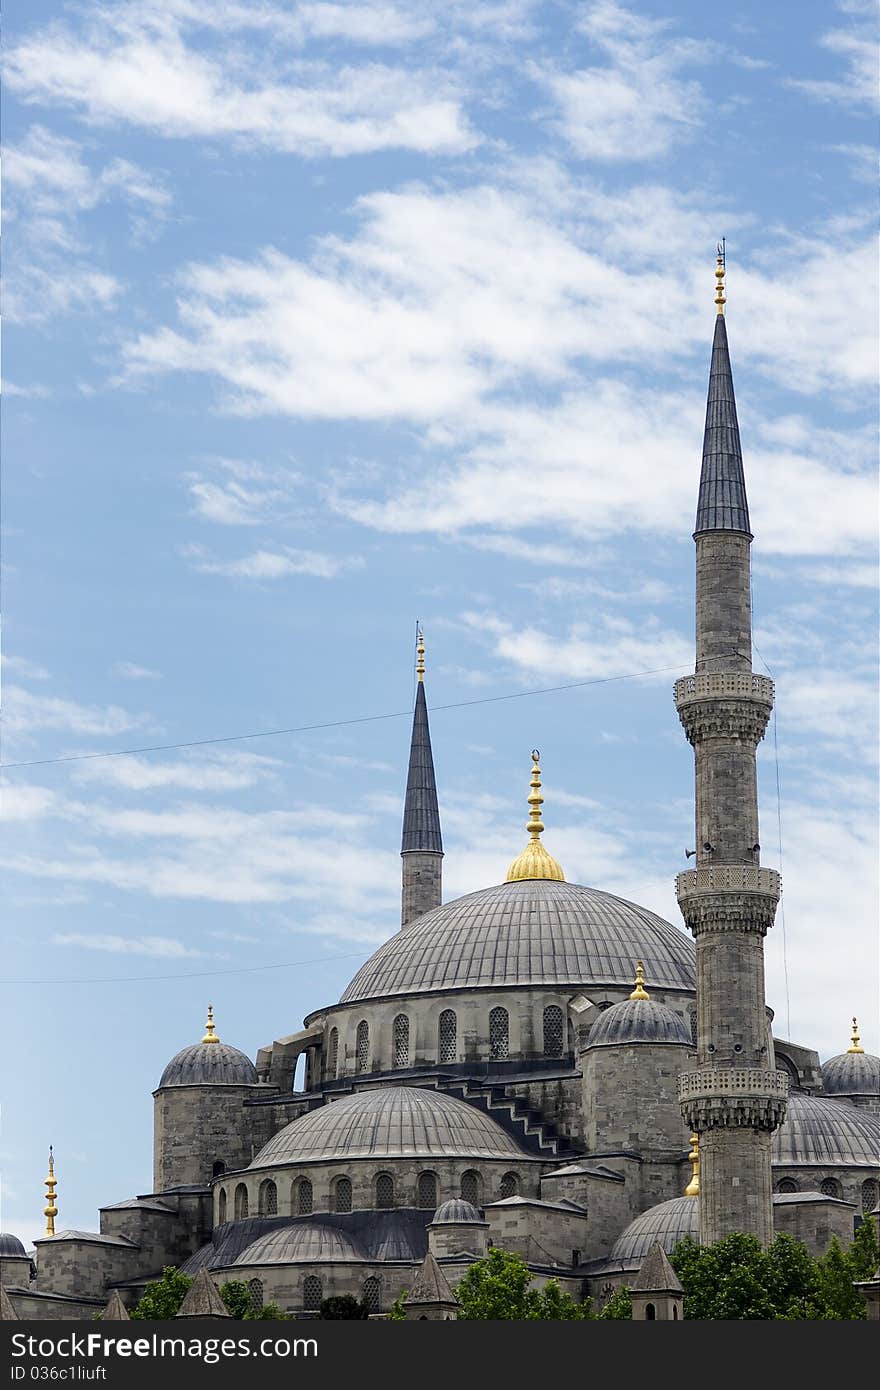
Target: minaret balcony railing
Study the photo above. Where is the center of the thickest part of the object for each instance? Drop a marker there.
(732, 1081)
(728, 878)
(723, 685)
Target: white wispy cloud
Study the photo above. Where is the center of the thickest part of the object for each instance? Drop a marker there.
(159, 947)
(27, 712)
(855, 45)
(227, 771)
(24, 669)
(272, 564)
(130, 671)
(605, 646)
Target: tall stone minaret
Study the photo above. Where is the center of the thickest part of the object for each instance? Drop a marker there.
(735, 1098)
(421, 847)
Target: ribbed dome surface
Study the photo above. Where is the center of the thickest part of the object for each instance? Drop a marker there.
(638, 1020)
(529, 933)
(396, 1122)
(820, 1131)
(10, 1245)
(665, 1224)
(306, 1241)
(852, 1074)
(454, 1211)
(209, 1064)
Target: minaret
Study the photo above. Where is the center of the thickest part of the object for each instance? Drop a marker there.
(50, 1211)
(735, 1099)
(421, 847)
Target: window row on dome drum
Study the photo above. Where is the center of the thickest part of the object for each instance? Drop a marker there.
(472, 1188)
(869, 1193)
(313, 1293)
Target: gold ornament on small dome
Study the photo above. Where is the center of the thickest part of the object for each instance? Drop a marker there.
(693, 1187)
(720, 267)
(50, 1211)
(640, 992)
(535, 862)
(855, 1045)
(210, 1032)
(420, 656)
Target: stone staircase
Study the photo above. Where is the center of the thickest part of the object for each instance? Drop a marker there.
(526, 1126)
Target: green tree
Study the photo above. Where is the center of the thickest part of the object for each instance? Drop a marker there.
(864, 1252)
(397, 1313)
(838, 1270)
(161, 1299)
(619, 1305)
(238, 1298)
(497, 1289)
(343, 1305)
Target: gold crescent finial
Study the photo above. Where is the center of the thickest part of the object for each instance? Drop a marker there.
(720, 267)
(50, 1211)
(640, 992)
(210, 1032)
(535, 826)
(420, 656)
(855, 1045)
(535, 862)
(693, 1187)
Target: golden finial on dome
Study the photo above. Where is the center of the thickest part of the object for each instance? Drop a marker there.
(693, 1187)
(535, 862)
(640, 992)
(420, 655)
(855, 1045)
(50, 1211)
(720, 267)
(210, 1034)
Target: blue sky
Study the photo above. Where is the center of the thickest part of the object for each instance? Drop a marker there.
(322, 318)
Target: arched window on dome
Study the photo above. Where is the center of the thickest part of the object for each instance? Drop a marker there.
(509, 1185)
(332, 1053)
(372, 1294)
(870, 1195)
(786, 1185)
(362, 1049)
(830, 1187)
(255, 1288)
(221, 1207)
(241, 1201)
(401, 1041)
(311, 1294)
(427, 1190)
(342, 1194)
(499, 1034)
(447, 1029)
(472, 1187)
(384, 1191)
(268, 1198)
(301, 1198)
(554, 1030)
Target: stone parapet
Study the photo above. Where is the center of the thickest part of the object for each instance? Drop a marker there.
(724, 684)
(725, 705)
(728, 897)
(733, 1098)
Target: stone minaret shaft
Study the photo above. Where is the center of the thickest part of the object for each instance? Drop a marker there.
(421, 848)
(735, 1098)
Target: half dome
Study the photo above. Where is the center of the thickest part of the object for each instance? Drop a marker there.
(664, 1225)
(307, 1241)
(819, 1132)
(10, 1246)
(852, 1074)
(533, 932)
(638, 1021)
(209, 1064)
(456, 1212)
(395, 1122)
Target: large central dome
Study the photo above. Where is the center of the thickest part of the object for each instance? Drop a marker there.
(536, 932)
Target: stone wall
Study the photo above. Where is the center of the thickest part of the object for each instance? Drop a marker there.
(611, 1200)
(540, 1232)
(195, 1127)
(814, 1222)
(82, 1266)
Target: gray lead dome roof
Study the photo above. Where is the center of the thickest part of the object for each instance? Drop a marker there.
(306, 1241)
(10, 1245)
(852, 1074)
(397, 1122)
(533, 932)
(817, 1131)
(209, 1064)
(638, 1021)
(665, 1225)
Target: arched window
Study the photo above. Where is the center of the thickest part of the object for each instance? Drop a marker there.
(675, 1312)
(829, 1187)
(342, 1195)
(362, 1061)
(499, 1034)
(218, 1169)
(401, 1041)
(786, 1185)
(471, 1187)
(384, 1191)
(268, 1198)
(241, 1201)
(650, 1312)
(869, 1195)
(694, 1027)
(372, 1294)
(447, 1030)
(332, 1053)
(221, 1207)
(509, 1186)
(311, 1294)
(428, 1190)
(301, 1198)
(553, 1030)
(256, 1291)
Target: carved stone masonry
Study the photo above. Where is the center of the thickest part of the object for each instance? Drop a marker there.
(733, 1098)
(745, 719)
(729, 897)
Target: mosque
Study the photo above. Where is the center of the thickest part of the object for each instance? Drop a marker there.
(537, 1066)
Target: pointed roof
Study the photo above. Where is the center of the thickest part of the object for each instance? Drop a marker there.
(116, 1310)
(202, 1299)
(656, 1274)
(7, 1312)
(722, 504)
(431, 1284)
(421, 814)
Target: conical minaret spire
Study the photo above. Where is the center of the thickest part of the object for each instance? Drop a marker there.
(735, 1098)
(421, 845)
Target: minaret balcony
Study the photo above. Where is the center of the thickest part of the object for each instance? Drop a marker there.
(729, 897)
(733, 1097)
(724, 704)
(724, 685)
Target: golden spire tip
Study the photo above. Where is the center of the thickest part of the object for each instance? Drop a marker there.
(693, 1187)
(420, 656)
(855, 1045)
(210, 1032)
(720, 267)
(535, 862)
(50, 1211)
(640, 992)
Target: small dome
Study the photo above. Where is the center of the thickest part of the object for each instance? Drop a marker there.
(306, 1241)
(665, 1225)
(638, 1021)
(455, 1212)
(820, 1131)
(852, 1074)
(397, 1122)
(209, 1064)
(10, 1245)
